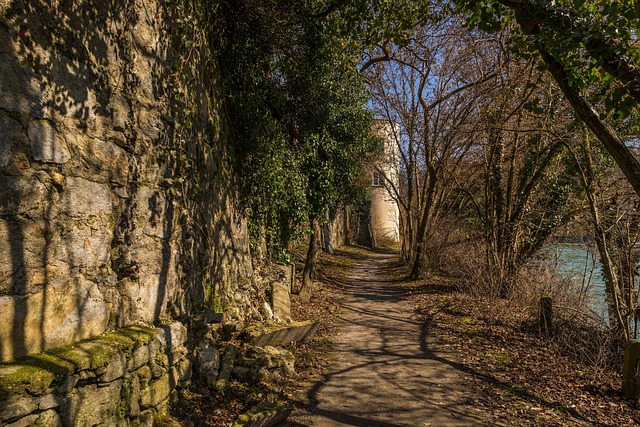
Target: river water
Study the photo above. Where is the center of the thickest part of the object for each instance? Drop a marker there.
(582, 265)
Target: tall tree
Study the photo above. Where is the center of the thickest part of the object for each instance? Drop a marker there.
(298, 113)
(583, 43)
(428, 88)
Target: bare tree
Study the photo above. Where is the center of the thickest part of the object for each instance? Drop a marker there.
(425, 88)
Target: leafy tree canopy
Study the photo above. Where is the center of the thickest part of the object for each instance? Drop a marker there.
(297, 109)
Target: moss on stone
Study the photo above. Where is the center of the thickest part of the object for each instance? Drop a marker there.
(276, 411)
(35, 374)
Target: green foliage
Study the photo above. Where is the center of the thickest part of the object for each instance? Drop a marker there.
(297, 114)
(375, 21)
(595, 40)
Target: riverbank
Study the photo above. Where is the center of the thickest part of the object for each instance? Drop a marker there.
(523, 377)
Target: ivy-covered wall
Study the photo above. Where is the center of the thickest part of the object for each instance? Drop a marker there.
(116, 202)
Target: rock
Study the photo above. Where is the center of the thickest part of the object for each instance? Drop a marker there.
(83, 198)
(115, 369)
(272, 359)
(57, 178)
(146, 419)
(27, 421)
(92, 405)
(261, 335)
(67, 384)
(208, 362)
(266, 414)
(46, 144)
(281, 300)
(242, 373)
(131, 395)
(18, 406)
(20, 194)
(48, 419)
(48, 401)
(140, 357)
(173, 335)
(226, 367)
(53, 317)
(206, 318)
(266, 311)
(159, 390)
(185, 371)
(144, 374)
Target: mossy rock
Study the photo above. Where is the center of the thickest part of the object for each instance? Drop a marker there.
(261, 335)
(36, 373)
(265, 414)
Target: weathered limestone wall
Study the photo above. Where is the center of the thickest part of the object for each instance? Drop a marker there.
(115, 202)
(121, 378)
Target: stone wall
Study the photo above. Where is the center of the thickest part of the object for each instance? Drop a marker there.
(116, 204)
(121, 378)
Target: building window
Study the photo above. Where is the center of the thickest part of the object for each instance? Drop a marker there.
(378, 179)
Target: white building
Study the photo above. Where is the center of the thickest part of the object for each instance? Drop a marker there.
(385, 214)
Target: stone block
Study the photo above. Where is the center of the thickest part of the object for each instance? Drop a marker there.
(27, 421)
(17, 407)
(83, 198)
(289, 272)
(144, 374)
(98, 160)
(67, 384)
(173, 335)
(116, 368)
(140, 357)
(22, 194)
(185, 372)
(159, 390)
(52, 317)
(281, 300)
(267, 360)
(47, 145)
(282, 334)
(131, 395)
(206, 318)
(44, 419)
(120, 111)
(226, 367)
(147, 418)
(266, 414)
(208, 363)
(48, 401)
(19, 91)
(48, 419)
(92, 405)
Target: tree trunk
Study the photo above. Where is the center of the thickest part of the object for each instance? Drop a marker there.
(310, 263)
(419, 263)
(605, 133)
(619, 327)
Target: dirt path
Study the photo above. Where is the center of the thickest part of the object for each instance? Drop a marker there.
(386, 370)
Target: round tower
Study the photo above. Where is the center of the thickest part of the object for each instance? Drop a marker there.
(385, 214)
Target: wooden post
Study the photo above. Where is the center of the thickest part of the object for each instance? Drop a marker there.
(630, 379)
(546, 315)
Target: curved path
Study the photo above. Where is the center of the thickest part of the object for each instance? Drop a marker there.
(386, 371)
